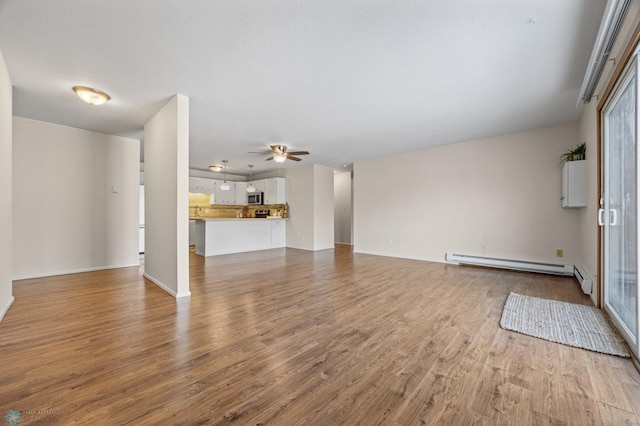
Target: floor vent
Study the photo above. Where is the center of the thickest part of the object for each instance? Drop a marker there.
(584, 279)
(518, 265)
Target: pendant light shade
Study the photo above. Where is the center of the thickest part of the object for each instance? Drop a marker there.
(225, 186)
(251, 188)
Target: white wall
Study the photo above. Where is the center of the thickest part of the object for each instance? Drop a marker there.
(66, 217)
(342, 207)
(497, 197)
(6, 292)
(309, 192)
(166, 174)
(323, 223)
(299, 190)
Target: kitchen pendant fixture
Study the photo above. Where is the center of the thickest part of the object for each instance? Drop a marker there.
(91, 96)
(251, 188)
(225, 186)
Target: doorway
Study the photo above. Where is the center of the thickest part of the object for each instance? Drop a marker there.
(618, 214)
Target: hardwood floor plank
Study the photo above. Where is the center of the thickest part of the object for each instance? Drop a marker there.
(289, 337)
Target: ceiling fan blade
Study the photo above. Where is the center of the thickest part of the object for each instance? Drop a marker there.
(298, 152)
(269, 159)
(291, 157)
(259, 152)
(277, 149)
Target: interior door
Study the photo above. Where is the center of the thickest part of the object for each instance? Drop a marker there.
(619, 212)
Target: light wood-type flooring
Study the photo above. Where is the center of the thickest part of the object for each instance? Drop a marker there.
(290, 337)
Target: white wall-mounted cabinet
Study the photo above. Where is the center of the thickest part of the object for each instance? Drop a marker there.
(259, 185)
(225, 197)
(274, 191)
(241, 193)
(574, 184)
(201, 185)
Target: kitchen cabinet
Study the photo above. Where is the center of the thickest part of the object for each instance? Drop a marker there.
(192, 232)
(574, 184)
(274, 191)
(201, 185)
(225, 197)
(241, 193)
(278, 236)
(258, 185)
(225, 236)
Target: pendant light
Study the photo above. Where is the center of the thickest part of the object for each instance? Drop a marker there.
(251, 188)
(225, 186)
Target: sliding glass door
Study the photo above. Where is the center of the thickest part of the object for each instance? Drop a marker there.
(619, 212)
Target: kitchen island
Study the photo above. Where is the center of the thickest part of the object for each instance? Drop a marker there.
(215, 236)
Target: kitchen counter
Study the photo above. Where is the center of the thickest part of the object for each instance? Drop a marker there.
(216, 236)
(243, 219)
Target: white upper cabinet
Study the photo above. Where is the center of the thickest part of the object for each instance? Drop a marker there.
(258, 185)
(274, 191)
(225, 197)
(574, 184)
(201, 185)
(241, 193)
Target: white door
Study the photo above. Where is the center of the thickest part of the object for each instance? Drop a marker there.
(619, 212)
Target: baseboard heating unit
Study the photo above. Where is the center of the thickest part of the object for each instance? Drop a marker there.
(518, 265)
(584, 279)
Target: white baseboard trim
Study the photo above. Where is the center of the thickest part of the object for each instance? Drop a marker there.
(6, 308)
(165, 288)
(72, 271)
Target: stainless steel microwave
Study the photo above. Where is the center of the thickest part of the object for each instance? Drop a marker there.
(255, 199)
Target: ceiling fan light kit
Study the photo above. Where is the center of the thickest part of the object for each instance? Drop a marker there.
(279, 158)
(280, 154)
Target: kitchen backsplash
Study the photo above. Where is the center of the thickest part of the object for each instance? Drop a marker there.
(201, 201)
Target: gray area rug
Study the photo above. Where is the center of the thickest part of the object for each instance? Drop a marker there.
(580, 326)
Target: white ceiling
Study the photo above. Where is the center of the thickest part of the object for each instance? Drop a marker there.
(344, 79)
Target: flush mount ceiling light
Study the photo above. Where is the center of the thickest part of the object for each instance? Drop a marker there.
(91, 96)
(251, 188)
(225, 186)
(215, 168)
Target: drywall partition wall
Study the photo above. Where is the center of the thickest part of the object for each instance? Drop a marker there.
(75, 200)
(323, 224)
(300, 196)
(342, 207)
(498, 197)
(166, 174)
(6, 292)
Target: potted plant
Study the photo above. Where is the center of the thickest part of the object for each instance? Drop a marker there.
(579, 152)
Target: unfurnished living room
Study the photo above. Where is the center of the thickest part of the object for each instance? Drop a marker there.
(325, 213)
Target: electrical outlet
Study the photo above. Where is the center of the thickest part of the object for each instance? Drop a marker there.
(390, 241)
(559, 253)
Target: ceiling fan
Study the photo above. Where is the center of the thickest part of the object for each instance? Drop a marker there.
(280, 154)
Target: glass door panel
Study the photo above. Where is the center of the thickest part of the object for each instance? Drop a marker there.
(619, 214)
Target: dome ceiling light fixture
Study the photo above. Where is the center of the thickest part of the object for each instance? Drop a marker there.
(91, 96)
(215, 168)
(225, 186)
(251, 188)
